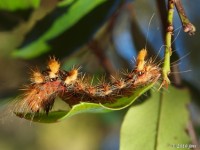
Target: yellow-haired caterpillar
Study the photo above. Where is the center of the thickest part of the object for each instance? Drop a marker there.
(71, 87)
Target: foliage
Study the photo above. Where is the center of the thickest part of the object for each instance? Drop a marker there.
(158, 123)
(18, 4)
(73, 27)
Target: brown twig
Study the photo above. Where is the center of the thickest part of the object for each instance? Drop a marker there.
(187, 25)
(103, 59)
(192, 135)
(104, 37)
(139, 38)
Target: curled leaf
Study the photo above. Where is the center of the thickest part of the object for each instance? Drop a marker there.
(84, 107)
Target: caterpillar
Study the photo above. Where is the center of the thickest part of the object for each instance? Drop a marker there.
(73, 88)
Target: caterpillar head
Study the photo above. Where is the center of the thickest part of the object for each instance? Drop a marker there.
(145, 70)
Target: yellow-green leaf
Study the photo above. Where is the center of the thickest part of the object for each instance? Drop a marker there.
(13, 5)
(159, 123)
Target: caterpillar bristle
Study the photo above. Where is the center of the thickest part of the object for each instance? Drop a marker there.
(90, 90)
(54, 67)
(119, 84)
(140, 61)
(71, 76)
(37, 77)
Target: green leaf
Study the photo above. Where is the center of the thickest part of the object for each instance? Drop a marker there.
(173, 119)
(65, 2)
(157, 124)
(55, 116)
(76, 11)
(124, 102)
(13, 5)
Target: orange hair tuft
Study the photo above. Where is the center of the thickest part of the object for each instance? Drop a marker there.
(140, 62)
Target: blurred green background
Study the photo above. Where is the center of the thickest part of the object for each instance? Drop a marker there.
(102, 37)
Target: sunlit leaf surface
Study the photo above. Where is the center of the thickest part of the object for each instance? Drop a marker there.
(159, 123)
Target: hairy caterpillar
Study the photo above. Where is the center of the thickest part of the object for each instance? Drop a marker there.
(72, 88)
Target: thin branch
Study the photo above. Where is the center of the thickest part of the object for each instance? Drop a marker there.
(175, 78)
(168, 39)
(187, 25)
(192, 135)
(103, 59)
